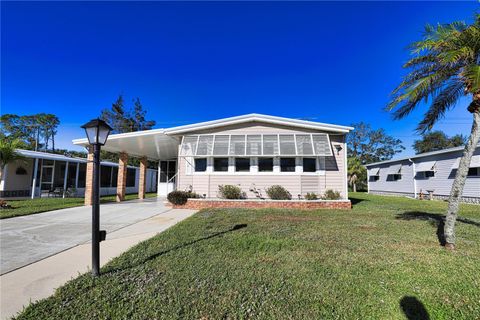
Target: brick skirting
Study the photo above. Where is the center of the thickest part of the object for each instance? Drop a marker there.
(198, 204)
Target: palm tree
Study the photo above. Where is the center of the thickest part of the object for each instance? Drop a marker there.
(445, 67)
(355, 169)
(8, 153)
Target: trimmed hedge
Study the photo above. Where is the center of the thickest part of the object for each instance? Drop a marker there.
(178, 197)
(230, 192)
(277, 192)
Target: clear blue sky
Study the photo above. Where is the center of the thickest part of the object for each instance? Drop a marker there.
(191, 62)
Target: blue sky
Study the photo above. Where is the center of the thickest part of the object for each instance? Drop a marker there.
(332, 62)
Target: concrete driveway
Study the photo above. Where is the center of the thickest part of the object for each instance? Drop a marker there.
(24, 240)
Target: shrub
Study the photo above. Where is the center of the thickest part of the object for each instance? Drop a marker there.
(277, 192)
(311, 196)
(229, 191)
(331, 195)
(178, 197)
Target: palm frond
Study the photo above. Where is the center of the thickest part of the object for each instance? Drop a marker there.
(442, 102)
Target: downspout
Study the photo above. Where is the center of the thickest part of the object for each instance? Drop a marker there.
(414, 179)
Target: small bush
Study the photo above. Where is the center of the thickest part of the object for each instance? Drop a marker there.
(178, 197)
(230, 192)
(311, 196)
(277, 192)
(193, 195)
(331, 195)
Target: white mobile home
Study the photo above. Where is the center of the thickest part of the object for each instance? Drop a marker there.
(428, 173)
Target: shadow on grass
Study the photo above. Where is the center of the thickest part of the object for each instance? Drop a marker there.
(180, 246)
(414, 309)
(355, 201)
(436, 220)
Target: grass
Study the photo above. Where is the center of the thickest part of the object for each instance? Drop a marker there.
(381, 260)
(37, 205)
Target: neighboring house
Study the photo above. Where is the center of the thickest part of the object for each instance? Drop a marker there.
(250, 151)
(427, 173)
(49, 172)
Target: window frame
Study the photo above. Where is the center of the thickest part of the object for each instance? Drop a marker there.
(314, 164)
(215, 159)
(290, 159)
(195, 169)
(242, 158)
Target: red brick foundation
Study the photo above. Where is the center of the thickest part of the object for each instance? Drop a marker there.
(198, 204)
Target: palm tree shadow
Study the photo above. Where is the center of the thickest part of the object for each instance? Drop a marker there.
(354, 200)
(436, 220)
(414, 309)
(180, 246)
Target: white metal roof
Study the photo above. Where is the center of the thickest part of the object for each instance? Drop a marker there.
(420, 155)
(163, 143)
(59, 157)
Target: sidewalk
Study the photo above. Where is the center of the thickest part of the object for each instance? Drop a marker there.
(40, 279)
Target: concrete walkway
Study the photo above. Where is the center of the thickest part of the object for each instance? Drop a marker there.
(24, 240)
(40, 279)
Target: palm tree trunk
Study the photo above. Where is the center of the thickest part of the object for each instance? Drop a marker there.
(354, 187)
(461, 175)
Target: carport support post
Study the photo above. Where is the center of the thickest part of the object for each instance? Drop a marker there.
(34, 183)
(122, 176)
(96, 212)
(65, 179)
(142, 180)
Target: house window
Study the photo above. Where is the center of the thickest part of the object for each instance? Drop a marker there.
(21, 171)
(242, 164)
(220, 164)
(200, 164)
(429, 174)
(473, 172)
(396, 177)
(265, 164)
(105, 176)
(287, 164)
(374, 178)
(131, 177)
(309, 164)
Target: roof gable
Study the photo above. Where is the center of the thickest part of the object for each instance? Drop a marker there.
(259, 118)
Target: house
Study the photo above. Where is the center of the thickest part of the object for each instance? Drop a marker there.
(430, 173)
(252, 151)
(46, 172)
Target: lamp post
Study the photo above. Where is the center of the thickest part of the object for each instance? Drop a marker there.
(97, 133)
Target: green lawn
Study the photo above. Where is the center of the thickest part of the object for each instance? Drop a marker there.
(37, 205)
(382, 260)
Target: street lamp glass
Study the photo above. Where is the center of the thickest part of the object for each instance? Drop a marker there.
(97, 131)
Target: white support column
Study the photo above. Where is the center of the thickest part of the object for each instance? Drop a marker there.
(65, 179)
(34, 183)
(76, 175)
(158, 179)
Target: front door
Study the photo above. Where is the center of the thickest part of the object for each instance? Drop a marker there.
(47, 174)
(167, 179)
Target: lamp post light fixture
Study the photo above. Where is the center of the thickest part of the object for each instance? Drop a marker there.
(97, 133)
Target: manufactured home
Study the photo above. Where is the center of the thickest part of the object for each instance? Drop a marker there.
(252, 151)
(431, 174)
(42, 174)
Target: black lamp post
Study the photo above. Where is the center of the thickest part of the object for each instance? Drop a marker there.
(97, 133)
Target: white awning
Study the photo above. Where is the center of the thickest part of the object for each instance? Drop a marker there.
(474, 162)
(256, 145)
(425, 166)
(374, 172)
(394, 169)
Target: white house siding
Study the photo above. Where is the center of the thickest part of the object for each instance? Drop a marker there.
(296, 183)
(404, 186)
(440, 184)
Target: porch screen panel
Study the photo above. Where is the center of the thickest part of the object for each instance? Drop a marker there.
(270, 145)
(237, 145)
(287, 144)
(304, 144)
(220, 145)
(205, 146)
(254, 145)
(321, 145)
(188, 146)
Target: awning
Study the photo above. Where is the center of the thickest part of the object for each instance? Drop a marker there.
(394, 169)
(374, 172)
(474, 162)
(425, 166)
(256, 145)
